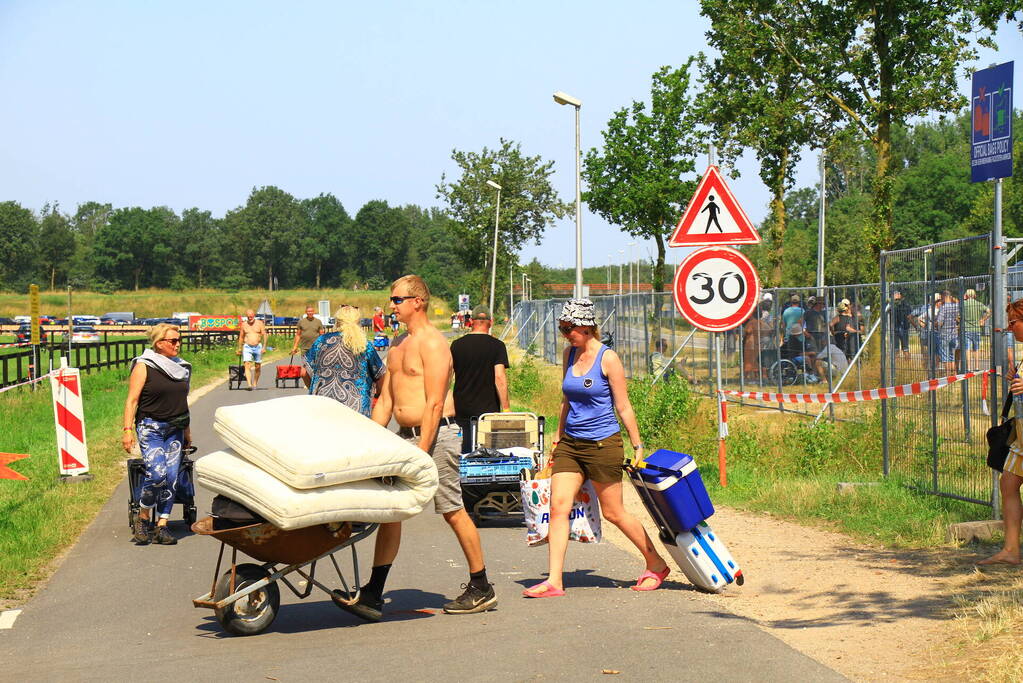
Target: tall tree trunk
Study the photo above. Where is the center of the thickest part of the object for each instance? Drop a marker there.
(658, 283)
(270, 278)
(777, 226)
(200, 277)
(318, 265)
(879, 232)
(53, 276)
(138, 272)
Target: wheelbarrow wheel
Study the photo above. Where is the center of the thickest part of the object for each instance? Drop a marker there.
(253, 613)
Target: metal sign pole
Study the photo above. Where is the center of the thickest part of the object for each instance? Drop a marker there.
(722, 473)
(999, 298)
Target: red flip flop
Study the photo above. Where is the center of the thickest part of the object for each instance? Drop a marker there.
(550, 591)
(659, 577)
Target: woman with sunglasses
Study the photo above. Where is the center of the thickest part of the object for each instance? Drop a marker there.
(156, 411)
(589, 446)
(1012, 474)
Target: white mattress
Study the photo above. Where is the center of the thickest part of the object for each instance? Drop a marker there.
(370, 500)
(312, 441)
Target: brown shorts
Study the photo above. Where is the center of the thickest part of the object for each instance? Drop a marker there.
(599, 461)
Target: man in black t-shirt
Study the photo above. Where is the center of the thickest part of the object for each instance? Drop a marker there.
(481, 385)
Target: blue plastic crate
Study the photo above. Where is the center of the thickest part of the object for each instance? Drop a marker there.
(492, 470)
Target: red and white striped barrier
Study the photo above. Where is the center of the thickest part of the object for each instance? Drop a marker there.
(862, 395)
(69, 418)
(11, 346)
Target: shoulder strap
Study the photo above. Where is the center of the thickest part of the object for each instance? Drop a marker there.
(1008, 396)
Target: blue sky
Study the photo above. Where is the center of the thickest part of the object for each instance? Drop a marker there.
(193, 103)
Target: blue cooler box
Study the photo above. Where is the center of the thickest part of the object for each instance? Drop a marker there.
(675, 487)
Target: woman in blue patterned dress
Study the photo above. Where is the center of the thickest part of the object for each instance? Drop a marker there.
(344, 364)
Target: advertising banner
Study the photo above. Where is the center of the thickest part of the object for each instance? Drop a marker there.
(991, 123)
(213, 323)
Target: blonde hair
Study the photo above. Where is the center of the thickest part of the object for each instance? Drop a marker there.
(416, 286)
(351, 332)
(158, 332)
(970, 294)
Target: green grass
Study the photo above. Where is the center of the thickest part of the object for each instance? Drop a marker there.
(41, 517)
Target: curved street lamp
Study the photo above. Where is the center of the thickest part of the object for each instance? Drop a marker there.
(493, 266)
(566, 99)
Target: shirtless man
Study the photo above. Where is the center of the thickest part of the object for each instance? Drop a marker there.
(252, 340)
(418, 375)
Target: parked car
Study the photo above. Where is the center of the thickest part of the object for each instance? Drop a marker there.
(24, 334)
(83, 334)
(22, 319)
(85, 319)
(7, 321)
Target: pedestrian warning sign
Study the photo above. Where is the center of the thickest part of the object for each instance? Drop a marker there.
(713, 216)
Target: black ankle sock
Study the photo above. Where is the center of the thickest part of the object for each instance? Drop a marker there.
(375, 586)
(479, 579)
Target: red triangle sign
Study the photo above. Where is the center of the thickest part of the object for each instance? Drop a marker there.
(68, 462)
(713, 216)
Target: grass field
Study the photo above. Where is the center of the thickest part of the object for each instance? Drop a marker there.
(41, 517)
(153, 303)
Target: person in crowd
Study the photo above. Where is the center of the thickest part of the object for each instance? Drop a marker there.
(842, 328)
(307, 330)
(974, 315)
(156, 413)
(659, 363)
(252, 337)
(799, 348)
(344, 365)
(902, 315)
(419, 370)
(481, 385)
(946, 323)
(815, 321)
(589, 446)
(395, 324)
(792, 314)
(378, 320)
(760, 346)
(1012, 474)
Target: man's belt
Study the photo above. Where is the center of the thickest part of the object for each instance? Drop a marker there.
(409, 432)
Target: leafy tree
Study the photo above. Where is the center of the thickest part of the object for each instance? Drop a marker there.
(756, 100)
(636, 181)
(379, 241)
(874, 64)
(529, 204)
(201, 243)
(56, 242)
(430, 254)
(88, 219)
(136, 248)
(326, 231)
(18, 234)
(265, 229)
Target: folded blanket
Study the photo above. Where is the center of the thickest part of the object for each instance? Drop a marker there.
(371, 500)
(312, 441)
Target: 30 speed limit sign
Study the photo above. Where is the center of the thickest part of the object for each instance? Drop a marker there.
(716, 288)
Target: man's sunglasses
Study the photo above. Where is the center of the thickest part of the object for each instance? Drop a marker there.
(398, 300)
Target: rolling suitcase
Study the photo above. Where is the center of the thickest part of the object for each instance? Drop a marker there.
(184, 493)
(287, 373)
(673, 493)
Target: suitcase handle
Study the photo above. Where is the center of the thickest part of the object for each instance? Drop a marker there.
(659, 518)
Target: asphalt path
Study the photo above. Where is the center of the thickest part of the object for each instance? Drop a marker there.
(114, 611)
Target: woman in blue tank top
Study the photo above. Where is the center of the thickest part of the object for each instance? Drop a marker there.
(589, 446)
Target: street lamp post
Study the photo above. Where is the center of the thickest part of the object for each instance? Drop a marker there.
(493, 266)
(562, 98)
(632, 258)
(620, 261)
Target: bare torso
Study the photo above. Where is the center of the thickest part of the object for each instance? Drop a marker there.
(405, 374)
(253, 332)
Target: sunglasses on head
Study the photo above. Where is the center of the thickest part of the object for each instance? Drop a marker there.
(398, 300)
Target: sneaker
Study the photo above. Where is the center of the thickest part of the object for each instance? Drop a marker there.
(366, 607)
(163, 536)
(140, 532)
(473, 600)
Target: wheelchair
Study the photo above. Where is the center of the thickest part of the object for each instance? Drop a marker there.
(789, 371)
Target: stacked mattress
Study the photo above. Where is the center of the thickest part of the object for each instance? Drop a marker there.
(305, 460)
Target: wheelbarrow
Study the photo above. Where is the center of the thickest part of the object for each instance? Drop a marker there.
(246, 597)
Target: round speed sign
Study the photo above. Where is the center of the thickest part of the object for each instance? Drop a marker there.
(716, 288)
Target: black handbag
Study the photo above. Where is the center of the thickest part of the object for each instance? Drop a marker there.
(1000, 436)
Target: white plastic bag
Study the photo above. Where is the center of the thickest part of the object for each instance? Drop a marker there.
(584, 519)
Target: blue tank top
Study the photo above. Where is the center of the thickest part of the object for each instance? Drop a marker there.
(591, 413)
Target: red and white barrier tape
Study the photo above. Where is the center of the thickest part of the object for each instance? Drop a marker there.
(26, 382)
(862, 395)
(9, 346)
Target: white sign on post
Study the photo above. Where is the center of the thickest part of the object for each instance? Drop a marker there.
(716, 288)
(713, 216)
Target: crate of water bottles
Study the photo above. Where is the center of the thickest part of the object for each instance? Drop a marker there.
(489, 466)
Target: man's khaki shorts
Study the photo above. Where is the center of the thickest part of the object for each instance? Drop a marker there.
(447, 453)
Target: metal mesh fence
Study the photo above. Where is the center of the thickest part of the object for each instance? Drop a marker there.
(939, 323)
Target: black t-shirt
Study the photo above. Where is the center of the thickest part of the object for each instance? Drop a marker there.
(901, 312)
(474, 357)
(162, 397)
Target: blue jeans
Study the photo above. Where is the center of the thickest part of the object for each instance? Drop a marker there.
(161, 447)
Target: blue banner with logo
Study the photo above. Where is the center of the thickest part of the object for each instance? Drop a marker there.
(991, 123)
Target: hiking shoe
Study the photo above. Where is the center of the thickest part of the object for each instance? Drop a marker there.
(140, 532)
(473, 600)
(163, 536)
(366, 607)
